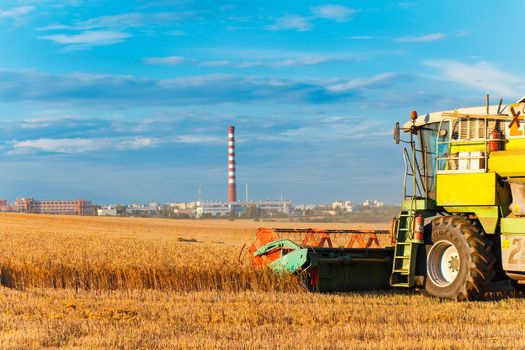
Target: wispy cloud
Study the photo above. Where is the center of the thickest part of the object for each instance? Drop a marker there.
(362, 37)
(305, 60)
(119, 91)
(290, 62)
(364, 82)
(422, 38)
(333, 12)
(169, 60)
(88, 38)
(480, 76)
(177, 33)
(294, 22)
(122, 21)
(131, 20)
(16, 12)
(73, 135)
(330, 129)
(162, 3)
(107, 30)
(198, 139)
(79, 145)
(406, 4)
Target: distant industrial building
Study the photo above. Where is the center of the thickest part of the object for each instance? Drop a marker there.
(65, 207)
(184, 208)
(373, 204)
(305, 206)
(343, 206)
(213, 209)
(150, 209)
(107, 211)
(279, 206)
(216, 209)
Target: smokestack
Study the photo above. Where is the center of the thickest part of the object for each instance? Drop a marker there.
(232, 190)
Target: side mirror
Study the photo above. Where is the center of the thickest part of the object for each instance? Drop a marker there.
(396, 133)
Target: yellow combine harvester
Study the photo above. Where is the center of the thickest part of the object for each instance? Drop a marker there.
(461, 230)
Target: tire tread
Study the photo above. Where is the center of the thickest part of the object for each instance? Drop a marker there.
(482, 261)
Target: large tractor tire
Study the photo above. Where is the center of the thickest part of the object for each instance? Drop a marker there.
(460, 263)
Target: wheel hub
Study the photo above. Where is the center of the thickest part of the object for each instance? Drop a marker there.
(443, 263)
(454, 263)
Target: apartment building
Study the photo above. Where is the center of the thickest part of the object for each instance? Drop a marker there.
(64, 207)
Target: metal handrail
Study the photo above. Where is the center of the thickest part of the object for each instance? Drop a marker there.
(408, 162)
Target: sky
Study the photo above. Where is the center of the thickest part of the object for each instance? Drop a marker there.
(129, 101)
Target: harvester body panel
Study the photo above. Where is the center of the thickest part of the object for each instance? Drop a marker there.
(513, 244)
(466, 190)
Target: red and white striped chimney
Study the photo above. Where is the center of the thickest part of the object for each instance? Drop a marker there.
(232, 189)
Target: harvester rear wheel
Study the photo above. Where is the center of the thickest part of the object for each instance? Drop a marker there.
(460, 263)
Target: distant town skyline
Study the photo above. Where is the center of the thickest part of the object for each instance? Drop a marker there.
(195, 200)
(130, 101)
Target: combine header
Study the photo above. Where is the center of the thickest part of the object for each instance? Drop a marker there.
(461, 230)
(359, 264)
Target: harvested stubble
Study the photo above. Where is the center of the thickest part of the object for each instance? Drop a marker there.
(109, 254)
(150, 319)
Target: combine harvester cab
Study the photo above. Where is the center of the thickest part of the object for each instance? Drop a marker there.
(359, 264)
(460, 234)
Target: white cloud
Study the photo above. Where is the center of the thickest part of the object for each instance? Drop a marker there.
(305, 60)
(38, 123)
(298, 23)
(16, 12)
(57, 145)
(331, 129)
(299, 61)
(177, 33)
(138, 142)
(52, 27)
(130, 20)
(88, 38)
(217, 63)
(80, 145)
(109, 30)
(361, 83)
(422, 38)
(480, 76)
(169, 60)
(337, 13)
(84, 145)
(125, 91)
(361, 37)
(199, 139)
(407, 5)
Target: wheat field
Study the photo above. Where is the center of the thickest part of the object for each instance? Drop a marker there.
(129, 253)
(126, 283)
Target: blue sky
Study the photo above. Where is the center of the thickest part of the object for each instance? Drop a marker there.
(130, 101)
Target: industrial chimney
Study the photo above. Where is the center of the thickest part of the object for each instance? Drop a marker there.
(232, 190)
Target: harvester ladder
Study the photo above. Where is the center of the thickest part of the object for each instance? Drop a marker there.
(404, 264)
